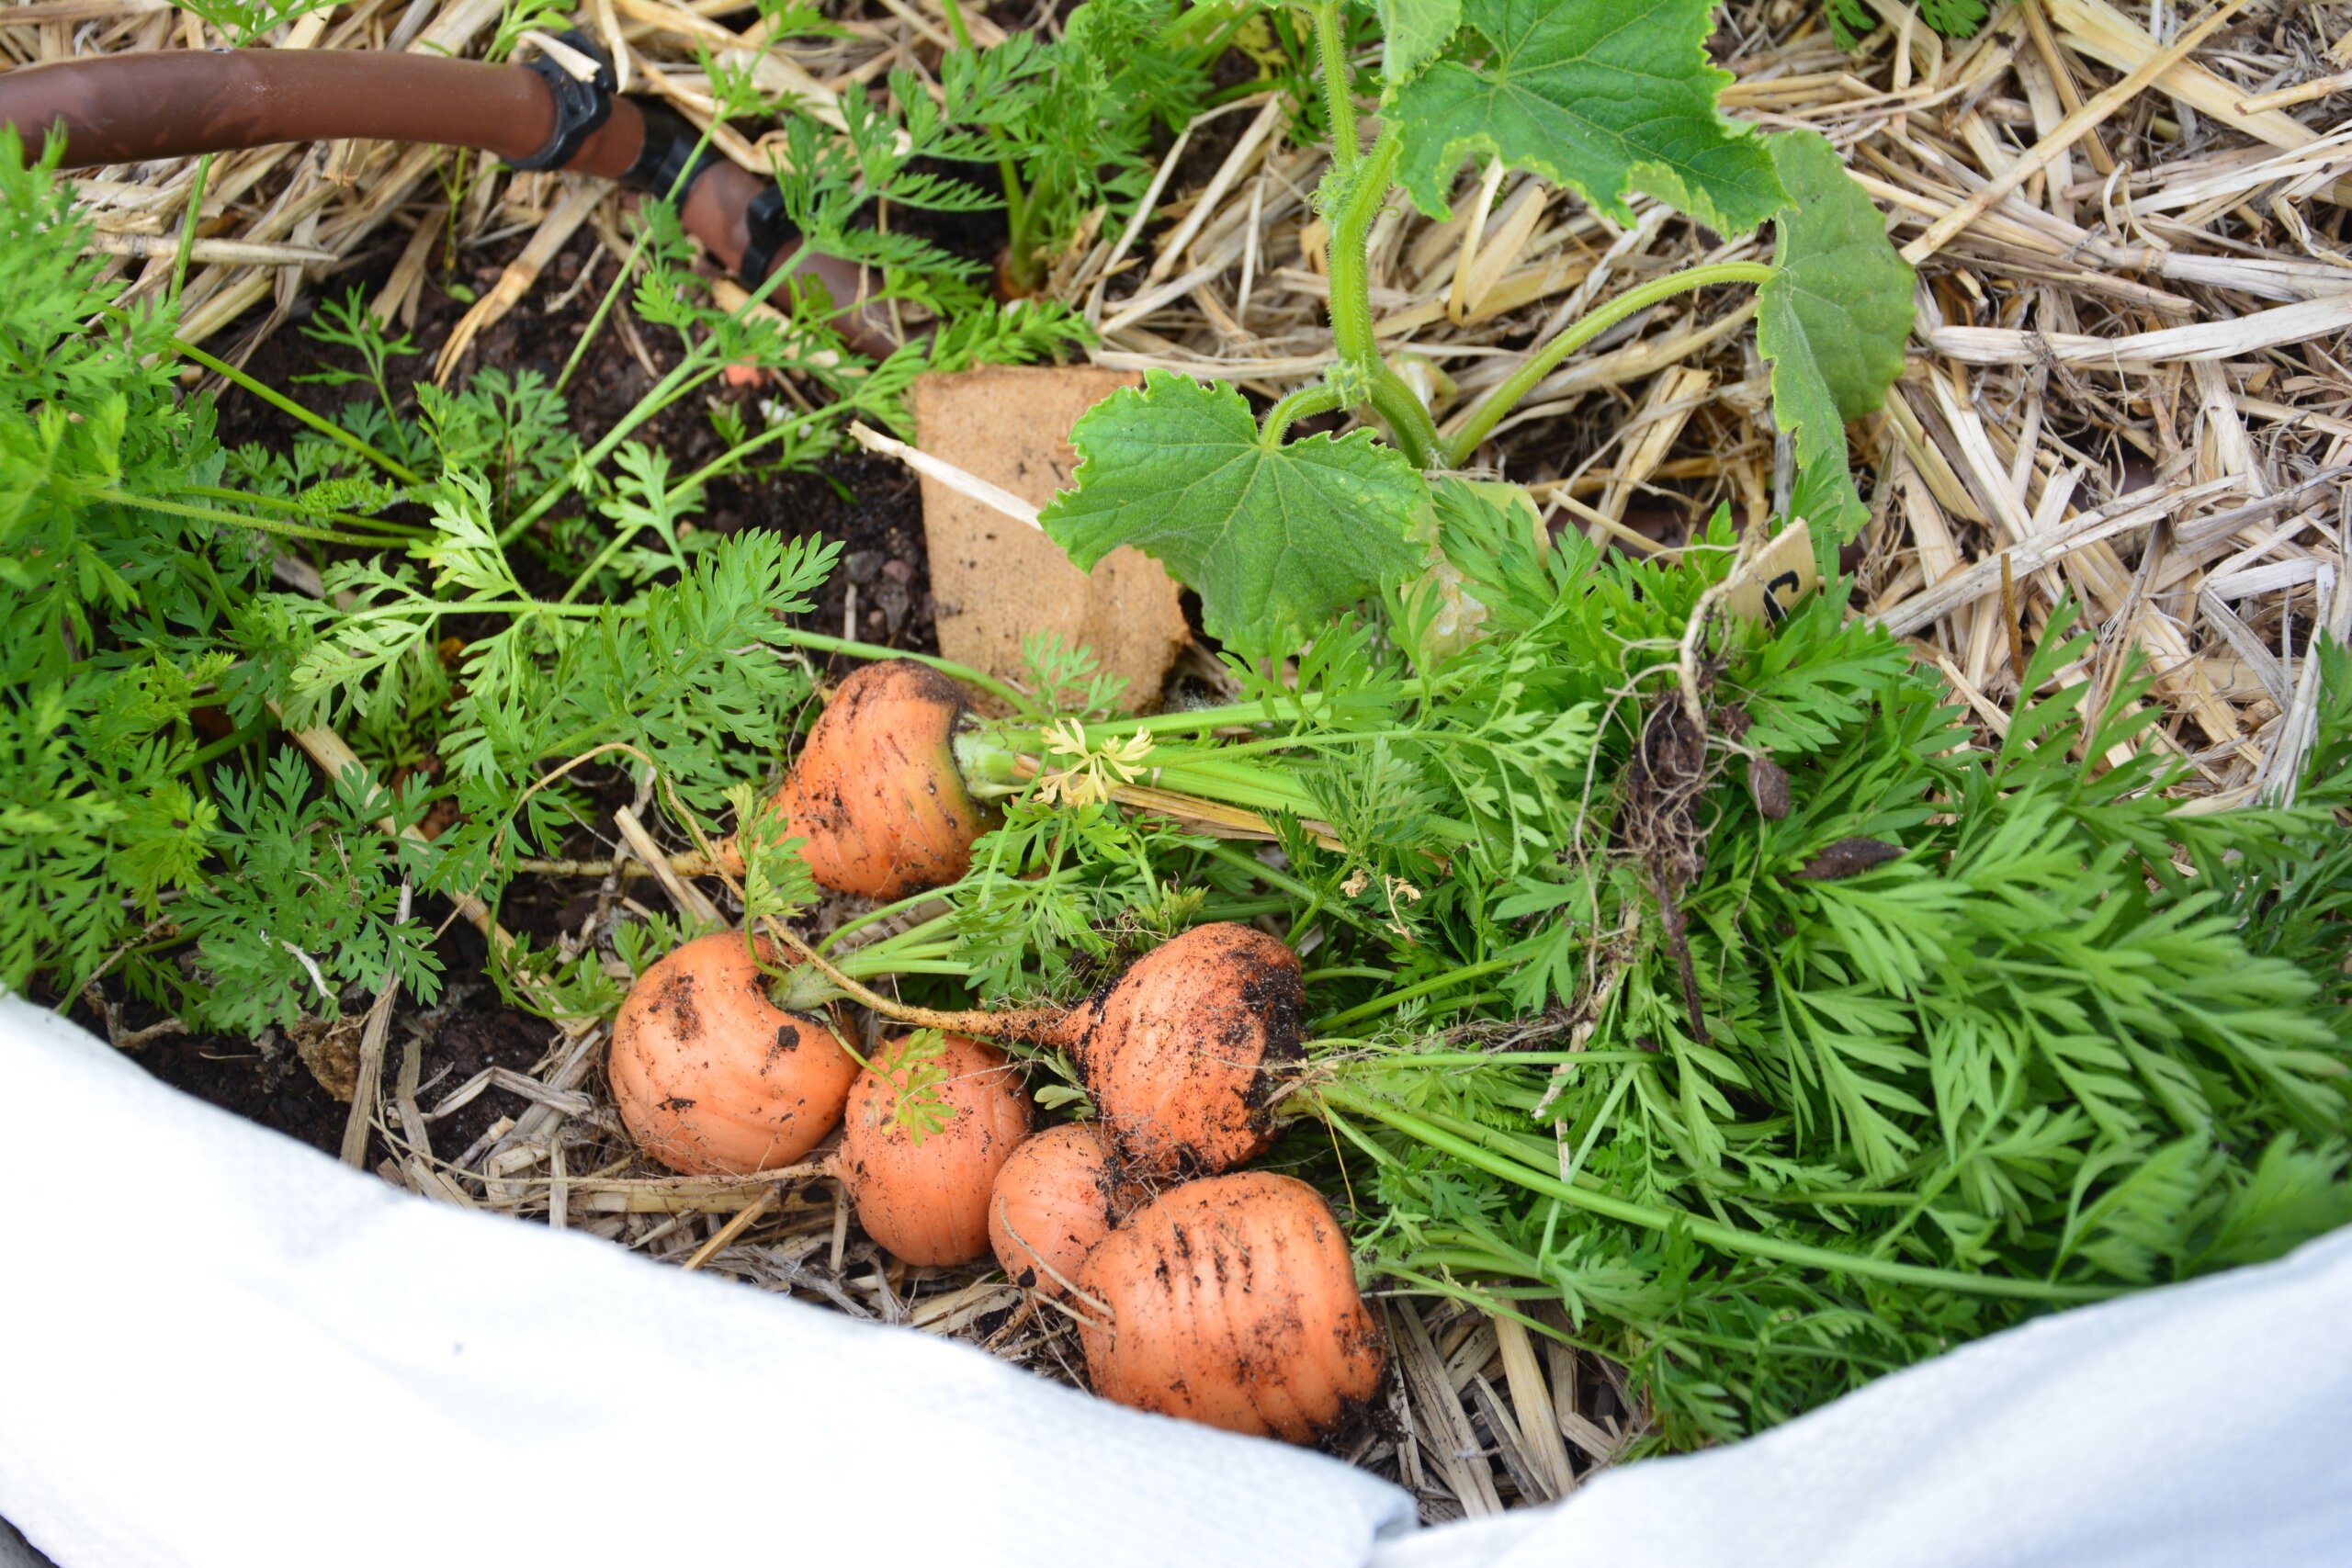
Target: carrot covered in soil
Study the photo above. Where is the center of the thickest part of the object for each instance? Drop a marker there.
(926, 1201)
(1177, 1053)
(1183, 1053)
(1232, 1301)
(877, 794)
(714, 1078)
(1055, 1199)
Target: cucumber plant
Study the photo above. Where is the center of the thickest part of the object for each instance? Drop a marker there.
(1601, 97)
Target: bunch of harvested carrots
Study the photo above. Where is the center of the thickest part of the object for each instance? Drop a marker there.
(1201, 1290)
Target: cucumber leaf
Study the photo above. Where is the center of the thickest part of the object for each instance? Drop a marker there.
(1274, 539)
(1601, 95)
(1832, 320)
(1413, 33)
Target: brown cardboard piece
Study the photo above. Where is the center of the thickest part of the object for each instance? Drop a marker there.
(995, 581)
(1781, 574)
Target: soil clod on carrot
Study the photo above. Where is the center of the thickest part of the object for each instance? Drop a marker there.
(1182, 1052)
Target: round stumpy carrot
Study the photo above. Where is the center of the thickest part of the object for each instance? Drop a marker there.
(714, 1078)
(1184, 1052)
(876, 795)
(1055, 1199)
(923, 1194)
(1231, 1301)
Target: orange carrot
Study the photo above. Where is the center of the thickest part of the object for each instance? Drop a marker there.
(1056, 1197)
(712, 1078)
(927, 1202)
(876, 794)
(1232, 1301)
(1183, 1053)
(1180, 1052)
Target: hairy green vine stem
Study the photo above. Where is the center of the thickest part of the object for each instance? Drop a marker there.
(1364, 189)
(1319, 398)
(1505, 398)
(1331, 38)
(1407, 418)
(1365, 186)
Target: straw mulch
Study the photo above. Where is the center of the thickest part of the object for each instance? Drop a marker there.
(2127, 384)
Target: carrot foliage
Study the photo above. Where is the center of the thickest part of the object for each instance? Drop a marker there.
(466, 590)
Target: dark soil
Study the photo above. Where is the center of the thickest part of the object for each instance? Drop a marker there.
(870, 504)
(265, 1079)
(261, 1080)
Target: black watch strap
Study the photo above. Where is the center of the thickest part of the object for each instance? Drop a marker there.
(770, 231)
(581, 106)
(667, 165)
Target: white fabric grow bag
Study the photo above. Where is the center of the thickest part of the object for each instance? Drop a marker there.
(217, 1346)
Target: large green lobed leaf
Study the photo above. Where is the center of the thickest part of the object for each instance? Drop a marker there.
(1274, 539)
(1834, 315)
(1601, 95)
(1412, 34)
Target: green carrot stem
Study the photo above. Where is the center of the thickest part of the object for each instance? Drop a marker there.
(684, 486)
(240, 520)
(1472, 1150)
(500, 607)
(1281, 882)
(1494, 1303)
(295, 410)
(1256, 789)
(188, 223)
(1497, 1058)
(1231, 716)
(222, 746)
(795, 637)
(699, 366)
(897, 907)
(1446, 981)
(1016, 200)
(285, 503)
(612, 294)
